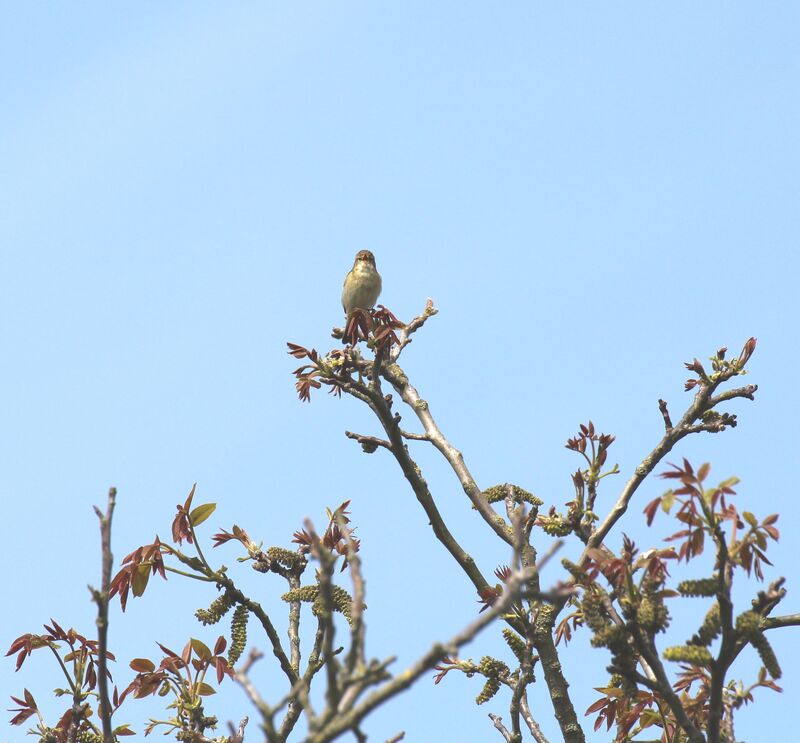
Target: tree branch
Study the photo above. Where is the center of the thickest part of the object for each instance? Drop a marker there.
(436, 654)
(101, 599)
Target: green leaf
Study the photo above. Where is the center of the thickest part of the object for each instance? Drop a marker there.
(204, 690)
(201, 513)
(750, 518)
(140, 578)
(201, 649)
(667, 500)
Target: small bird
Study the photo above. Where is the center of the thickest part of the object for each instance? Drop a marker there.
(362, 286)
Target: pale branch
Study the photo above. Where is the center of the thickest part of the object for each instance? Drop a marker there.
(414, 436)
(299, 690)
(497, 721)
(413, 474)
(350, 719)
(356, 655)
(238, 736)
(294, 707)
(747, 392)
(411, 328)
(533, 726)
(519, 690)
(399, 381)
(242, 677)
(101, 599)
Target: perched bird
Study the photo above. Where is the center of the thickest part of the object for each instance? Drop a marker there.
(362, 286)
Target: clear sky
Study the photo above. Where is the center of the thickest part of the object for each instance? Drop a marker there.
(591, 193)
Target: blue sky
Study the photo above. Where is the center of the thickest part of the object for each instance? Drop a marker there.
(591, 195)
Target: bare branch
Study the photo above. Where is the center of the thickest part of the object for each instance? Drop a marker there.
(399, 381)
(747, 392)
(414, 436)
(413, 327)
(101, 599)
(379, 405)
(533, 726)
(368, 443)
(355, 658)
(787, 620)
(498, 723)
(662, 406)
(241, 676)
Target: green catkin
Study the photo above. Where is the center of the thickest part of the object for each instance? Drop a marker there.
(285, 557)
(516, 643)
(238, 634)
(766, 653)
(700, 587)
(709, 629)
(749, 624)
(218, 609)
(492, 667)
(490, 688)
(498, 493)
(694, 654)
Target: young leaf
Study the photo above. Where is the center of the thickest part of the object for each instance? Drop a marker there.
(201, 513)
